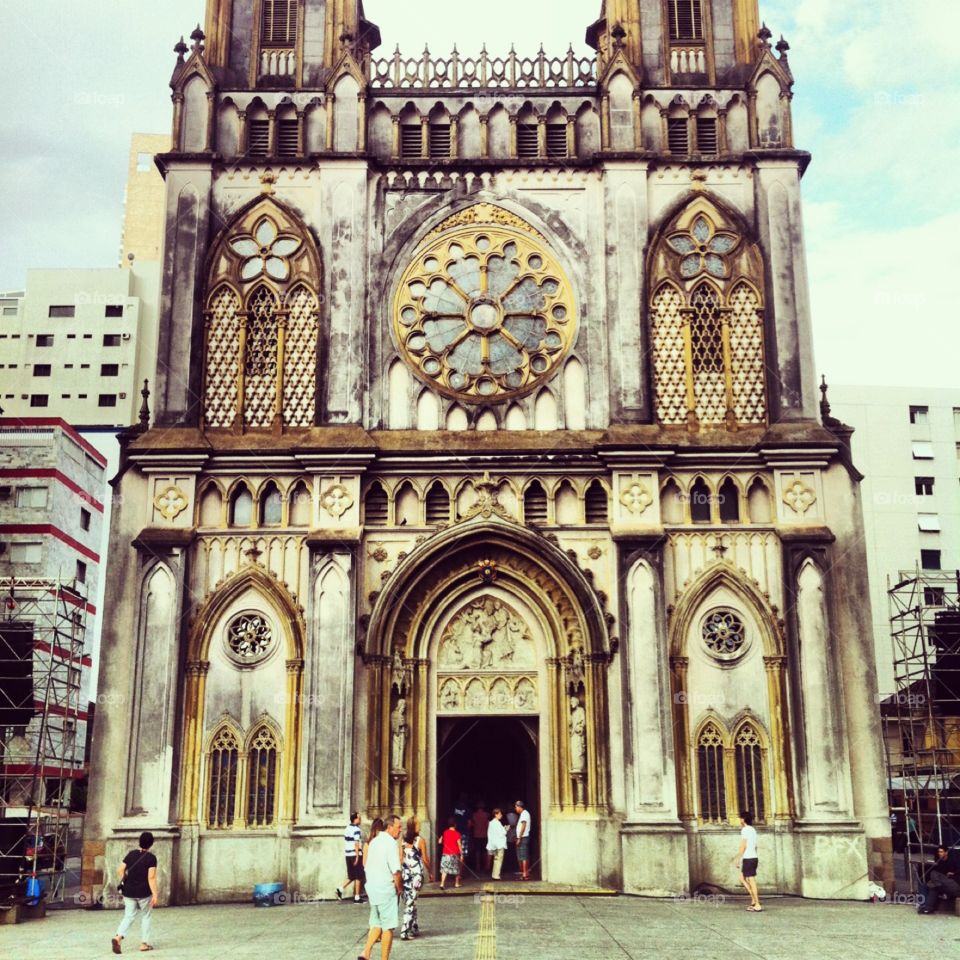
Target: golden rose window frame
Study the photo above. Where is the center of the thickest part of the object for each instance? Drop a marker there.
(484, 311)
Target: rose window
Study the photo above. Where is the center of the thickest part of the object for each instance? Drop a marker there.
(724, 634)
(484, 312)
(249, 638)
(703, 249)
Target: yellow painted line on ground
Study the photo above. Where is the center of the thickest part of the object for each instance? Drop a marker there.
(487, 931)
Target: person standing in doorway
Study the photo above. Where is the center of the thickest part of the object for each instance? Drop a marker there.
(138, 883)
(461, 813)
(353, 851)
(383, 887)
(414, 872)
(524, 826)
(451, 854)
(510, 857)
(496, 841)
(478, 836)
(746, 860)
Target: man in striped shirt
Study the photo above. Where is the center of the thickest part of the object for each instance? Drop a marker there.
(353, 851)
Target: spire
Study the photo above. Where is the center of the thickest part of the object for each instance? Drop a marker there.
(145, 408)
(824, 402)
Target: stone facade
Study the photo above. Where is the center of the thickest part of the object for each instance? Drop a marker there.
(485, 389)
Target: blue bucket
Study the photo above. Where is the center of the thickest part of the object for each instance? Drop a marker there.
(34, 891)
(268, 894)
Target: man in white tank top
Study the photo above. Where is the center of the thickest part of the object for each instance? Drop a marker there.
(746, 860)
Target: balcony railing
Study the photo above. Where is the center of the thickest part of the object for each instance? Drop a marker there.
(688, 59)
(483, 72)
(278, 62)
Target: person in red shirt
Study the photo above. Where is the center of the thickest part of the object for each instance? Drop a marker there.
(451, 853)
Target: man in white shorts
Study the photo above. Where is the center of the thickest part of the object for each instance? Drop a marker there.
(383, 887)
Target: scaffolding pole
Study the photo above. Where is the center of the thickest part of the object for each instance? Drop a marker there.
(43, 618)
(924, 712)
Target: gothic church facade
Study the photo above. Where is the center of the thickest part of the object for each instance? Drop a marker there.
(486, 413)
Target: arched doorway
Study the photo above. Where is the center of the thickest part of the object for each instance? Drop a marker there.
(489, 760)
(490, 622)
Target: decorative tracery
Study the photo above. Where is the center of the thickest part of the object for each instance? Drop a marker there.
(262, 324)
(484, 310)
(706, 315)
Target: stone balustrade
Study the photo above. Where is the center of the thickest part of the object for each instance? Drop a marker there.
(278, 62)
(687, 59)
(484, 72)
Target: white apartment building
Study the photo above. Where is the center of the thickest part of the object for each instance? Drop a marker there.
(52, 496)
(78, 344)
(907, 443)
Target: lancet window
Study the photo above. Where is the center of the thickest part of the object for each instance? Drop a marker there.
(262, 321)
(706, 316)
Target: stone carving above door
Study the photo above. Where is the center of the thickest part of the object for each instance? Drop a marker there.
(486, 662)
(486, 636)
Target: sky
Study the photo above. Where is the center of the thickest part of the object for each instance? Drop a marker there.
(875, 102)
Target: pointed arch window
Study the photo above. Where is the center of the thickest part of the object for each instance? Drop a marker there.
(262, 763)
(749, 766)
(728, 500)
(438, 504)
(222, 764)
(271, 506)
(376, 506)
(262, 324)
(706, 318)
(241, 507)
(535, 503)
(278, 23)
(595, 504)
(711, 780)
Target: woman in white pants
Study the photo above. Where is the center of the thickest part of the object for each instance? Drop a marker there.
(138, 882)
(497, 841)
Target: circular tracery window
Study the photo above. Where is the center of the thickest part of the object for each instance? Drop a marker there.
(249, 638)
(724, 634)
(484, 312)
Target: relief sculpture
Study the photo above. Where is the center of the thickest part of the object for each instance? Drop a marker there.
(487, 635)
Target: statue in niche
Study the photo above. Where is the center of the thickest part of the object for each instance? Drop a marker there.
(398, 673)
(575, 675)
(486, 635)
(398, 734)
(578, 736)
(524, 699)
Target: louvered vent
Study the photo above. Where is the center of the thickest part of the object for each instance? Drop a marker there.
(375, 507)
(278, 24)
(535, 504)
(438, 505)
(527, 148)
(678, 135)
(686, 19)
(258, 139)
(707, 136)
(439, 141)
(411, 140)
(288, 138)
(557, 140)
(596, 509)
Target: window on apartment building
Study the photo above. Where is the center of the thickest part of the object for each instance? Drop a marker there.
(62, 311)
(44, 340)
(144, 162)
(929, 522)
(41, 369)
(81, 572)
(922, 450)
(85, 518)
(919, 415)
(88, 336)
(81, 396)
(111, 339)
(107, 400)
(8, 308)
(109, 369)
(84, 366)
(934, 596)
(64, 396)
(39, 400)
(112, 311)
(31, 496)
(930, 559)
(923, 486)
(686, 19)
(26, 552)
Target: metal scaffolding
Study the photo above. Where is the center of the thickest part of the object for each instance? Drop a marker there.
(44, 619)
(922, 719)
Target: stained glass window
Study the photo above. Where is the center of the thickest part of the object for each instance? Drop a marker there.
(222, 779)
(262, 779)
(710, 776)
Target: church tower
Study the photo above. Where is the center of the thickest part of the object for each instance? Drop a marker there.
(485, 460)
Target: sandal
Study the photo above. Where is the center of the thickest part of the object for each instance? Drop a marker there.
(144, 947)
(115, 945)
(753, 909)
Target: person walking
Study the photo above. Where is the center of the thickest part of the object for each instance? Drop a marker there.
(414, 872)
(496, 841)
(746, 860)
(524, 826)
(384, 887)
(353, 851)
(451, 853)
(138, 884)
(478, 835)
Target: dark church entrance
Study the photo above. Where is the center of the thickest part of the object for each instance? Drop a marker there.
(494, 760)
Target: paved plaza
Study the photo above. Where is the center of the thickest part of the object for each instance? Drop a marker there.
(512, 927)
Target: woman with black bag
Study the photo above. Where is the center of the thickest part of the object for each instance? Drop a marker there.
(138, 884)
